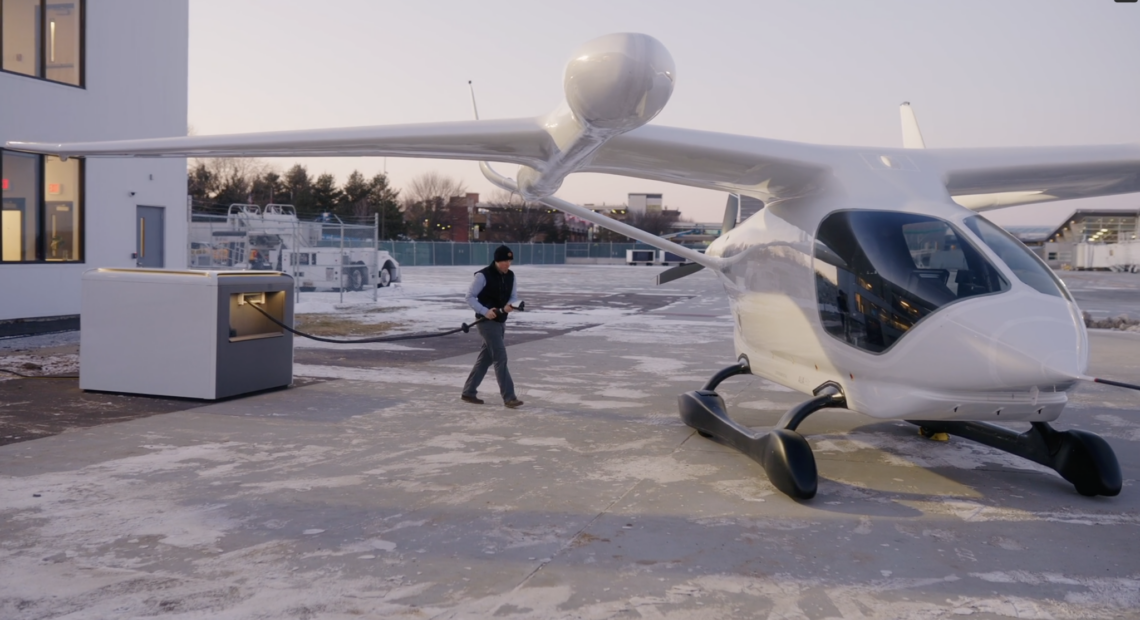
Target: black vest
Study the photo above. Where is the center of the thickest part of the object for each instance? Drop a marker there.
(497, 292)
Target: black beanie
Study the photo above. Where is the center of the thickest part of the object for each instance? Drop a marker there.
(503, 253)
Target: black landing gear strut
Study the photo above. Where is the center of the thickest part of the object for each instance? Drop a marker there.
(1082, 458)
(784, 453)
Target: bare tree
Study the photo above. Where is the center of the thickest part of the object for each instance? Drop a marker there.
(518, 220)
(433, 185)
(425, 205)
(653, 222)
(225, 180)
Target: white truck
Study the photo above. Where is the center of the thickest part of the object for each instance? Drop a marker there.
(321, 256)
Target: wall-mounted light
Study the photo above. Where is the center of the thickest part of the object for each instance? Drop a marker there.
(52, 25)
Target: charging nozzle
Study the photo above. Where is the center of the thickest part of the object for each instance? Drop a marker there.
(251, 298)
(1112, 383)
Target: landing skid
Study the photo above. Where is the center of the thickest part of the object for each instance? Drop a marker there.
(783, 453)
(1082, 458)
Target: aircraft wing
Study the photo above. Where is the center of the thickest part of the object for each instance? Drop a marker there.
(519, 141)
(990, 178)
(689, 157)
(979, 179)
(716, 161)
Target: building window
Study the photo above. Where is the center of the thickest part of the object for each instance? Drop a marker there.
(43, 38)
(41, 219)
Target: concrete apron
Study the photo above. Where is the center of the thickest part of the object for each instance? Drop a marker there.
(386, 495)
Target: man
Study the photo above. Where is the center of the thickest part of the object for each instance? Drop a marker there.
(494, 287)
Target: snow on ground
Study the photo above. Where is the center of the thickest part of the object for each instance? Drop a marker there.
(433, 299)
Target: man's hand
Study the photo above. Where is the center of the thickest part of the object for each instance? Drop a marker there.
(508, 308)
(491, 314)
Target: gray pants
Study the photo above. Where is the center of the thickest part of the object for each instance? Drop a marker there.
(493, 351)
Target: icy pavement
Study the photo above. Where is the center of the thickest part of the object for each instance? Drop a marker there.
(1105, 294)
(380, 494)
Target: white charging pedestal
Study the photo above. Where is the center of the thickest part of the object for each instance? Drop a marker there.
(189, 334)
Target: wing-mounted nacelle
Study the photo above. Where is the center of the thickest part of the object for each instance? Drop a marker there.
(613, 84)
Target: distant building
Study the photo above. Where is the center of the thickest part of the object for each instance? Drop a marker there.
(77, 71)
(462, 217)
(1032, 236)
(638, 205)
(1087, 227)
(642, 203)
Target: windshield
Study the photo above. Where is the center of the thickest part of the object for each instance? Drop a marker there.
(880, 272)
(1021, 260)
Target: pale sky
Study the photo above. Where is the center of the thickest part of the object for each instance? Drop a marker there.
(978, 73)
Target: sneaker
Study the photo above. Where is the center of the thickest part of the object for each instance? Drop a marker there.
(513, 403)
(471, 399)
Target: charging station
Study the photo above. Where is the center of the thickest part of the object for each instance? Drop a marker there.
(189, 334)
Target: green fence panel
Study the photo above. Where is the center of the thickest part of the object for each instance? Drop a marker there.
(405, 253)
(462, 254)
(444, 253)
(481, 254)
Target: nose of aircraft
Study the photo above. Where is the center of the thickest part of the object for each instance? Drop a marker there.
(1013, 341)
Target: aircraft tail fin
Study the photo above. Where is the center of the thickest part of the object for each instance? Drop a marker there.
(731, 213)
(912, 137)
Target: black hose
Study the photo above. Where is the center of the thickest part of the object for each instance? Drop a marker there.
(1118, 384)
(463, 328)
(13, 372)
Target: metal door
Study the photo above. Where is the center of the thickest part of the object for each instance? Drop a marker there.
(150, 236)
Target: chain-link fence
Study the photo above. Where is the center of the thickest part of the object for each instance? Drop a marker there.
(428, 253)
(272, 237)
(320, 255)
(602, 249)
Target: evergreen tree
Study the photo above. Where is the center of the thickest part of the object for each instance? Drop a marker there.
(201, 183)
(269, 188)
(382, 199)
(355, 201)
(299, 187)
(326, 195)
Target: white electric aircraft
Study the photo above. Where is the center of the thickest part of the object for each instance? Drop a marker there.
(868, 280)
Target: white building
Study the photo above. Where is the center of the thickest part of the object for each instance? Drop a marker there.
(642, 203)
(75, 71)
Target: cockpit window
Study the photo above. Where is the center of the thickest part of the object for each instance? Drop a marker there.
(1021, 260)
(880, 272)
